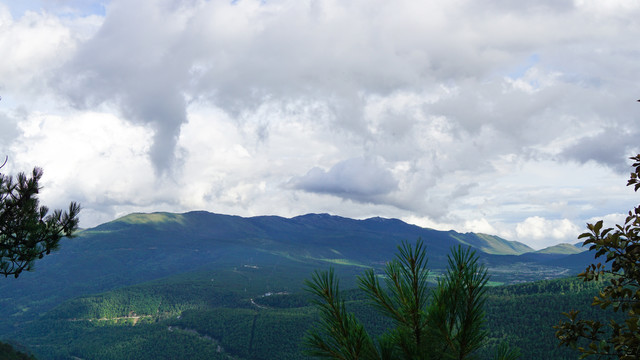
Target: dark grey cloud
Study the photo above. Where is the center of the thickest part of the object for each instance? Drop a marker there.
(358, 179)
(612, 146)
(134, 62)
(8, 132)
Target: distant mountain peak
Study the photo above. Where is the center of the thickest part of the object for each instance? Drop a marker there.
(316, 215)
(155, 217)
(564, 249)
(384, 220)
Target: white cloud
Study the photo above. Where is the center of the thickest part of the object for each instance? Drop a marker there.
(608, 8)
(29, 45)
(539, 232)
(32, 46)
(93, 158)
(479, 226)
(608, 220)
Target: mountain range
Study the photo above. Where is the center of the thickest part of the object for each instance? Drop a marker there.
(142, 247)
(154, 267)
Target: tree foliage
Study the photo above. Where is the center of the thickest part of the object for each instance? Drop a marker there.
(446, 323)
(620, 246)
(27, 230)
(9, 353)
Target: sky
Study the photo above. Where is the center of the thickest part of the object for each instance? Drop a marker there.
(512, 118)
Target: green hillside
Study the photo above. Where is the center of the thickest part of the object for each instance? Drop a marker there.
(566, 249)
(157, 218)
(491, 244)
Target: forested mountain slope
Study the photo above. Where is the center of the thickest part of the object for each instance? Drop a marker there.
(255, 313)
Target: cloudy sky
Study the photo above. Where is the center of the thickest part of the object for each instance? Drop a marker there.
(513, 118)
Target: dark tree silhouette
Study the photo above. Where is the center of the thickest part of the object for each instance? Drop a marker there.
(27, 230)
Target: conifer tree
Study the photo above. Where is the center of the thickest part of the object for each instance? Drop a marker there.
(446, 323)
(27, 230)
